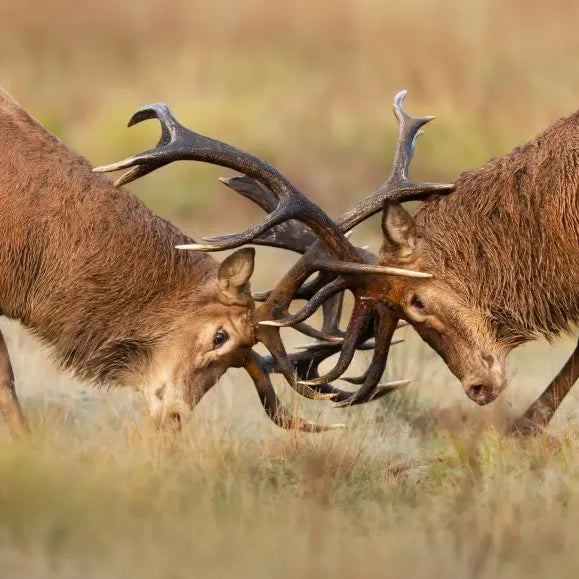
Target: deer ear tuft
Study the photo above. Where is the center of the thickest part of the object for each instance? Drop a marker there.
(399, 230)
(235, 271)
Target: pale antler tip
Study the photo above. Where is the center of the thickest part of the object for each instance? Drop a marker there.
(192, 246)
(335, 426)
(400, 96)
(273, 323)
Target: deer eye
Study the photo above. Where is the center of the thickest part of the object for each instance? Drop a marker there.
(221, 336)
(416, 302)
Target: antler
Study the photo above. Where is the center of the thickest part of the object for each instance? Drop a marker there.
(291, 234)
(367, 296)
(179, 143)
(335, 258)
(398, 186)
(257, 368)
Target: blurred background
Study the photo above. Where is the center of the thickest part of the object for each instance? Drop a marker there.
(306, 85)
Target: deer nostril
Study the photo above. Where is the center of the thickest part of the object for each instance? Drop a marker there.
(175, 420)
(481, 394)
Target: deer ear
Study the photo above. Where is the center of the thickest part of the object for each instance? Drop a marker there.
(399, 230)
(235, 271)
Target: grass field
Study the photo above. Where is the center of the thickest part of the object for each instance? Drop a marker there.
(97, 493)
(420, 485)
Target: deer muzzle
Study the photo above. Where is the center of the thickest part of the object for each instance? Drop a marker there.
(484, 386)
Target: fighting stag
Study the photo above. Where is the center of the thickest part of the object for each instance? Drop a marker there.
(92, 272)
(504, 248)
(294, 222)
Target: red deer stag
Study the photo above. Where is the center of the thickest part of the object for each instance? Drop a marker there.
(504, 251)
(97, 276)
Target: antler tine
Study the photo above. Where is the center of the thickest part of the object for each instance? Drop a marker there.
(398, 186)
(257, 369)
(408, 132)
(385, 329)
(369, 345)
(356, 327)
(305, 292)
(291, 235)
(146, 162)
(312, 332)
(307, 365)
(179, 143)
(332, 314)
(274, 344)
(334, 287)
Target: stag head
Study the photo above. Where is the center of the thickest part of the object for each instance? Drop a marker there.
(438, 311)
(206, 331)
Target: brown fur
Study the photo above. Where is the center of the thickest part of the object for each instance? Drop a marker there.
(504, 252)
(87, 267)
(507, 240)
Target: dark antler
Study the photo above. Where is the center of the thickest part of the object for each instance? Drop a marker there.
(335, 258)
(179, 143)
(397, 186)
(257, 368)
(291, 234)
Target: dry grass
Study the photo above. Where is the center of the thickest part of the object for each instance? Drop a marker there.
(118, 501)
(419, 483)
(416, 488)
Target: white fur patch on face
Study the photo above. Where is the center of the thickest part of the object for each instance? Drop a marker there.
(165, 398)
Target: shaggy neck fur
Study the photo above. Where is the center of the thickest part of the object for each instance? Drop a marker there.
(87, 267)
(508, 238)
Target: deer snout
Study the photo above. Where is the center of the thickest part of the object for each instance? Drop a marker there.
(482, 394)
(487, 382)
(168, 406)
(175, 416)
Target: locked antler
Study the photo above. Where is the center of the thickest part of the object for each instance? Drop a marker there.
(399, 187)
(339, 263)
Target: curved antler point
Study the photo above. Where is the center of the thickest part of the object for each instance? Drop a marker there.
(274, 323)
(400, 96)
(193, 247)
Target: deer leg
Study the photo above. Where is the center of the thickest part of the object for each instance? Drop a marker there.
(9, 405)
(538, 415)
